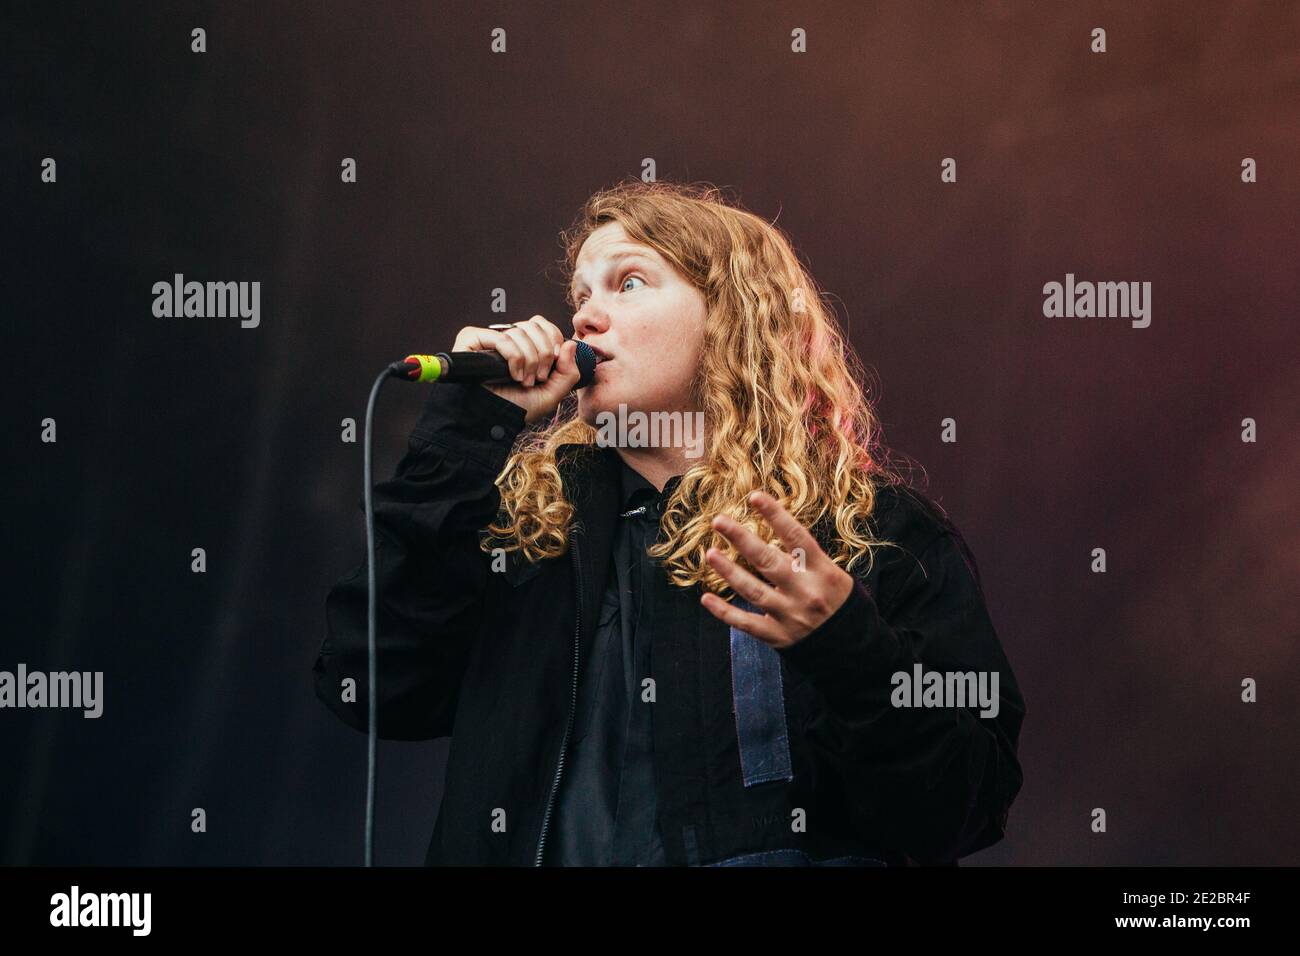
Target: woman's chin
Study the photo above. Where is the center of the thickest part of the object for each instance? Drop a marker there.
(592, 400)
(590, 414)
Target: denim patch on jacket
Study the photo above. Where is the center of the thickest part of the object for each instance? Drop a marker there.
(759, 703)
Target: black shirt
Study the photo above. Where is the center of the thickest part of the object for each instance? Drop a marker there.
(606, 806)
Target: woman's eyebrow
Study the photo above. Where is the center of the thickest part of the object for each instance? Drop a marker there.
(615, 258)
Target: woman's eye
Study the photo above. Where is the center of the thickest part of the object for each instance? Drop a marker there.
(577, 303)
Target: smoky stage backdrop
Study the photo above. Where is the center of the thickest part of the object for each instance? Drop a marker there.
(938, 165)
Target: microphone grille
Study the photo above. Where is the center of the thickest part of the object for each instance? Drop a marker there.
(585, 356)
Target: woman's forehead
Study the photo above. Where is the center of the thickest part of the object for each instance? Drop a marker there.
(610, 235)
(610, 247)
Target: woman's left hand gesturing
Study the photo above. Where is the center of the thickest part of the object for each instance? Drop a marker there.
(796, 596)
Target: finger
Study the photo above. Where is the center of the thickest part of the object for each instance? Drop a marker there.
(767, 559)
(528, 350)
(566, 363)
(552, 330)
(564, 375)
(759, 625)
(557, 339)
(543, 345)
(497, 341)
(473, 339)
(787, 527)
(757, 592)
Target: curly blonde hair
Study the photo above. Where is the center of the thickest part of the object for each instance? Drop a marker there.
(776, 381)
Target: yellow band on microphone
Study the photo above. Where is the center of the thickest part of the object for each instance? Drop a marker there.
(430, 367)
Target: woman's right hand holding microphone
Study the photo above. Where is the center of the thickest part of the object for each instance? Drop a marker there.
(541, 361)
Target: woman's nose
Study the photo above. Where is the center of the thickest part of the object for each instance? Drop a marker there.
(589, 319)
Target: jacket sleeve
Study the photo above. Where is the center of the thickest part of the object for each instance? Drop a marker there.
(430, 574)
(934, 783)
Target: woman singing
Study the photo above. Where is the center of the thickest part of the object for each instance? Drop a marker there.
(733, 641)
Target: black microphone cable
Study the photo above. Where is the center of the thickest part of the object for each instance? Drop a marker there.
(406, 370)
(394, 370)
(372, 680)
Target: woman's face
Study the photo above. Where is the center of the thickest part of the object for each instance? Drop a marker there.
(635, 308)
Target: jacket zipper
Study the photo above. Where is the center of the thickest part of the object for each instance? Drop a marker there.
(573, 706)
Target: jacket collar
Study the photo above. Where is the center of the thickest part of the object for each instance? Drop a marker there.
(589, 475)
(592, 480)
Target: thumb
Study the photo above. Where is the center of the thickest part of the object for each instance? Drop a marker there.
(565, 373)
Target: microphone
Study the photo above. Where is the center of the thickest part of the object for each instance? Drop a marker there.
(486, 366)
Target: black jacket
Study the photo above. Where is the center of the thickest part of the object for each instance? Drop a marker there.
(606, 807)
(492, 659)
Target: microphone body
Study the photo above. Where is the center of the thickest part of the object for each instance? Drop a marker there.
(485, 366)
